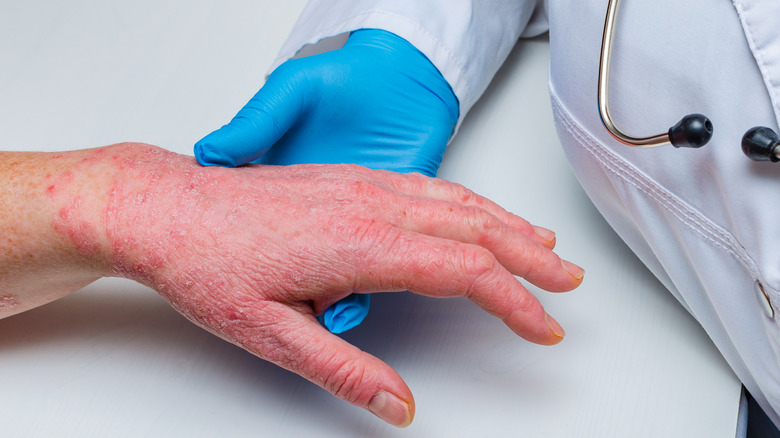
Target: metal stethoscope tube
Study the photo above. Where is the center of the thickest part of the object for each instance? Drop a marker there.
(694, 130)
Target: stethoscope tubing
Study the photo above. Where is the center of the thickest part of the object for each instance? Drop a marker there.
(692, 131)
(603, 88)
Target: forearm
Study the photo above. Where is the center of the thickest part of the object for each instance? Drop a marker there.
(52, 223)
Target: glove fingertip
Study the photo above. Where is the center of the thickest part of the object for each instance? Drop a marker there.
(346, 314)
(235, 144)
(208, 154)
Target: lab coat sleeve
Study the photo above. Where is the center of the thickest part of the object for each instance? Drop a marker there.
(466, 40)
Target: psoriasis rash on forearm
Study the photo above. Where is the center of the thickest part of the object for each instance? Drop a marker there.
(52, 240)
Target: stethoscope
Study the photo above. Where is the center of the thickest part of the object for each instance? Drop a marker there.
(692, 131)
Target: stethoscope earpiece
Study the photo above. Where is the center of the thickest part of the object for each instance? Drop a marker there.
(693, 131)
(761, 144)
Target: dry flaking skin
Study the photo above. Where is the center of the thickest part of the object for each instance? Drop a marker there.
(253, 254)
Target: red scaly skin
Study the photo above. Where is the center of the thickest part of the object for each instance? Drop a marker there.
(253, 254)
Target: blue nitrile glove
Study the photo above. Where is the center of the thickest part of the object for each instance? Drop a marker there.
(377, 102)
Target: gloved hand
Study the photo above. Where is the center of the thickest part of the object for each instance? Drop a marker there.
(377, 102)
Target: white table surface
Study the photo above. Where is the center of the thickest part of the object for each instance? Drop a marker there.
(114, 360)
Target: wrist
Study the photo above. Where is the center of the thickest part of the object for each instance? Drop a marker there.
(52, 223)
(78, 189)
(155, 198)
(78, 204)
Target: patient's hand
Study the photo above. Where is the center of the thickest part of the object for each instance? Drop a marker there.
(253, 254)
(377, 102)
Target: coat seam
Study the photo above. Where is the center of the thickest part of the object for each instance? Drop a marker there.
(684, 213)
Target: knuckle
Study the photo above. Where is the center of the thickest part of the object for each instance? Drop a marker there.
(481, 268)
(482, 225)
(489, 285)
(536, 260)
(351, 169)
(526, 303)
(462, 194)
(465, 196)
(345, 379)
(370, 233)
(364, 190)
(366, 241)
(434, 185)
(415, 182)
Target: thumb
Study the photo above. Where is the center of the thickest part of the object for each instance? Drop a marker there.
(300, 344)
(259, 124)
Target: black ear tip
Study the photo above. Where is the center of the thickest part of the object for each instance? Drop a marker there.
(693, 131)
(759, 144)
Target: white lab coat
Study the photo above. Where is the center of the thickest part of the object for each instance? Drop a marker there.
(704, 221)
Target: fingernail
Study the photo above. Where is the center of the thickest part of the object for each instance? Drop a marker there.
(391, 409)
(554, 327)
(544, 233)
(573, 270)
